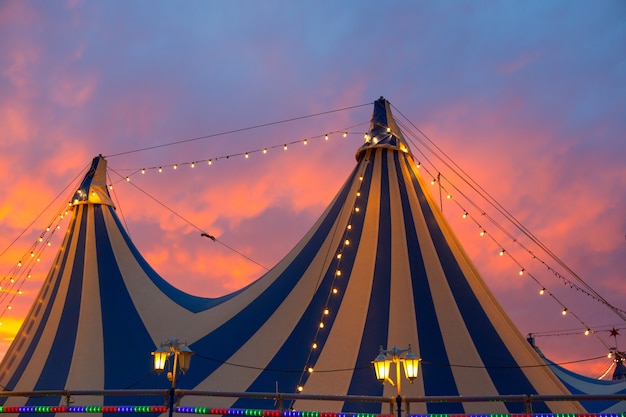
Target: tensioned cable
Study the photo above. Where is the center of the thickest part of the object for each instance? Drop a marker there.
(476, 187)
(191, 224)
(369, 366)
(44, 210)
(243, 129)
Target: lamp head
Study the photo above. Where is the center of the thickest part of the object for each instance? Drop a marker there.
(160, 358)
(381, 366)
(411, 365)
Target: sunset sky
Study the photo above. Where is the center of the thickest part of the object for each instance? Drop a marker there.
(527, 97)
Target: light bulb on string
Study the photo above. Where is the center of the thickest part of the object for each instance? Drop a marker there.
(143, 170)
(305, 142)
(521, 271)
(502, 252)
(464, 215)
(326, 137)
(285, 147)
(345, 134)
(542, 291)
(564, 312)
(160, 169)
(193, 164)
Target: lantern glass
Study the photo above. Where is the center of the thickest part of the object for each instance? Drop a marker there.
(411, 366)
(160, 358)
(381, 366)
(184, 358)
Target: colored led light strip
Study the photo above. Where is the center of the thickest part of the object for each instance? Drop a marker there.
(258, 413)
(291, 413)
(85, 409)
(271, 413)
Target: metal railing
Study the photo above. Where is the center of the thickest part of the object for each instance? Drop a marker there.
(395, 403)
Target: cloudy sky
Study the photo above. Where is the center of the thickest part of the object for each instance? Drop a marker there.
(529, 98)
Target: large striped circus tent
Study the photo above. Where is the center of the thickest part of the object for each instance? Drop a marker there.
(380, 267)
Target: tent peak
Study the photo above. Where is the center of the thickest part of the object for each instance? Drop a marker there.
(93, 189)
(383, 131)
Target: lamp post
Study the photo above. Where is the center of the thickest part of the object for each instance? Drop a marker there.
(181, 358)
(382, 366)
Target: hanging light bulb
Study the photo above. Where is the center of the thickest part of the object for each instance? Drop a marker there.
(175, 166)
(587, 332)
(345, 134)
(285, 147)
(321, 324)
(326, 311)
(483, 232)
(264, 150)
(246, 155)
(193, 164)
(338, 273)
(339, 256)
(310, 369)
(326, 137)
(464, 215)
(143, 170)
(300, 388)
(314, 345)
(521, 271)
(305, 141)
(542, 291)
(160, 169)
(564, 312)
(210, 162)
(127, 179)
(502, 252)
(419, 165)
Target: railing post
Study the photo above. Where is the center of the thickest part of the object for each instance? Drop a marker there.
(399, 405)
(528, 406)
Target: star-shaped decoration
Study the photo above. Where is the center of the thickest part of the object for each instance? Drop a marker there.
(614, 332)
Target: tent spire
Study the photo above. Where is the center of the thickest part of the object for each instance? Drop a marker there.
(93, 189)
(383, 132)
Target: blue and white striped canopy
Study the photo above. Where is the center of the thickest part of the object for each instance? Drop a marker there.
(381, 267)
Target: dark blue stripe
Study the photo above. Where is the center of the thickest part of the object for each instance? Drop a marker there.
(376, 328)
(127, 344)
(56, 369)
(503, 370)
(224, 341)
(435, 370)
(33, 341)
(287, 366)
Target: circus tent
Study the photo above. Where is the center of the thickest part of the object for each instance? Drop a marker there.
(380, 267)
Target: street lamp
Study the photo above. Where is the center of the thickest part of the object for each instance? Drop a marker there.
(181, 354)
(382, 366)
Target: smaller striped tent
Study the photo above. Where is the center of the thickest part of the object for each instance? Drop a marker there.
(380, 267)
